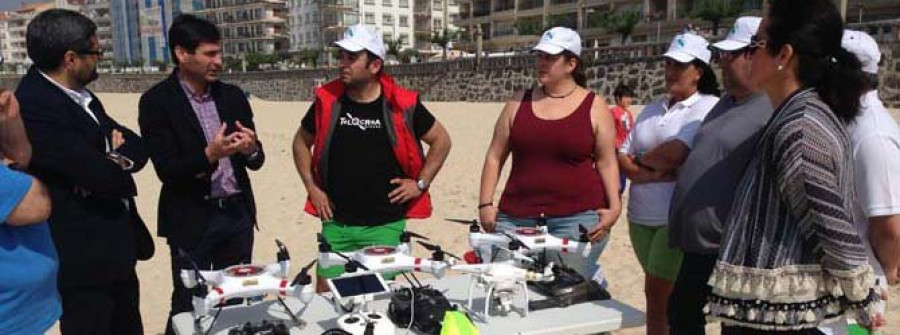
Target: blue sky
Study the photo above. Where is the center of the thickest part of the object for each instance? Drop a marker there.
(14, 4)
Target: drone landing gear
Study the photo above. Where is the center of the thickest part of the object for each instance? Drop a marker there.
(501, 295)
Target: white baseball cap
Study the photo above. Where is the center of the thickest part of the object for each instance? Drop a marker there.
(739, 36)
(558, 39)
(864, 47)
(687, 47)
(359, 37)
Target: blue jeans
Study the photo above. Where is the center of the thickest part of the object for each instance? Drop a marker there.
(565, 227)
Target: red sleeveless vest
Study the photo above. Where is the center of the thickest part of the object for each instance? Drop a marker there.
(406, 146)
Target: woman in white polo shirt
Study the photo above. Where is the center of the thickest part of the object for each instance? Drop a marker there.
(651, 155)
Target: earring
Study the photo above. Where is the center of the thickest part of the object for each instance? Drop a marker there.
(780, 67)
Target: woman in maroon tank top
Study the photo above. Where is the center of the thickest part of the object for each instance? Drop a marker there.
(561, 137)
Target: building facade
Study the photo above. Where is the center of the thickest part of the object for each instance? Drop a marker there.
(318, 23)
(16, 51)
(126, 31)
(250, 26)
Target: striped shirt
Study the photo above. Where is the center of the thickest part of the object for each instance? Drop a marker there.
(223, 183)
(791, 257)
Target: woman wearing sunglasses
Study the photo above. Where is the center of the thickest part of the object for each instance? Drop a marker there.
(791, 257)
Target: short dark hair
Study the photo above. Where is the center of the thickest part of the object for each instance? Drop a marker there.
(623, 91)
(53, 33)
(188, 31)
(371, 57)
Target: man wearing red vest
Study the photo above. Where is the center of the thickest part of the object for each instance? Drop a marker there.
(367, 172)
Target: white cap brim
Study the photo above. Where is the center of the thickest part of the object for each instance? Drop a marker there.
(349, 45)
(681, 57)
(549, 48)
(730, 45)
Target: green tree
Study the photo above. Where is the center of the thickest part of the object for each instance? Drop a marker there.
(620, 22)
(310, 56)
(443, 38)
(393, 47)
(529, 26)
(407, 54)
(716, 11)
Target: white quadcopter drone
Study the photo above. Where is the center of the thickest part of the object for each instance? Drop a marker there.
(384, 259)
(214, 288)
(523, 241)
(502, 281)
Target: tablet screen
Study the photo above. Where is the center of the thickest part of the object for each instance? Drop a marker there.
(346, 287)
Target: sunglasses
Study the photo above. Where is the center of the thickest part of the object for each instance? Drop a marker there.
(98, 52)
(756, 42)
(729, 55)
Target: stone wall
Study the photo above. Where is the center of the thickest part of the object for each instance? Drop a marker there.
(495, 79)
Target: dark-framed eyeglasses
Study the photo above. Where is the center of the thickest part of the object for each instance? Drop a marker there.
(756, 42)
(98, 53)
(729, 55)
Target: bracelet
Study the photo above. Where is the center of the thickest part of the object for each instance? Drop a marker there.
(486, 204)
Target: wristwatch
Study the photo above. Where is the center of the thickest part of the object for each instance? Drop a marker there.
(124, 162)
(422, 185)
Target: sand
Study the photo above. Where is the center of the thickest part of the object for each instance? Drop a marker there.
(280, 198)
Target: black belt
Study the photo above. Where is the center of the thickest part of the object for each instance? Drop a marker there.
(227, 202)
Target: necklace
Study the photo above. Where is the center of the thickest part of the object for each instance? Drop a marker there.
(544, 89)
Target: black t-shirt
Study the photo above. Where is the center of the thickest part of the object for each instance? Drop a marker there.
(361, 162)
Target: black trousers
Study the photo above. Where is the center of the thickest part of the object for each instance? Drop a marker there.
(227, 241)
(102, 310)
(689, 295)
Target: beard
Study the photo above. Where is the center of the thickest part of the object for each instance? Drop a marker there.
(89, 77)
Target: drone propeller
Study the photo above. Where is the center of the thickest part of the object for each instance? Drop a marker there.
(324, 246)
(303, 277)
(283, 254)
(352, 264)
(437, 253)
(405, 236)
(584, 238)
(542, 221)
(474, 226)
(200, 290)
(514, 242)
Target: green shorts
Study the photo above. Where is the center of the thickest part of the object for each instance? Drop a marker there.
(651, 246)
(346, 238)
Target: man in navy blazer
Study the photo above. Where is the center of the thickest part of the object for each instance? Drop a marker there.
(86, 159)
(201, 139)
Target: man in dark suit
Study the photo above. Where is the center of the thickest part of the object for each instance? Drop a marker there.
(86, 159)
(200, 135)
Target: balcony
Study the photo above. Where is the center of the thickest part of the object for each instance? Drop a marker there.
(502, 5)
(530, 4)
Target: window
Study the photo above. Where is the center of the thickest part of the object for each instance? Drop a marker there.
(388, 37)
(404, 21)
(404, 39)
(370, 2)
(386, 3)
(370, 18)
(404, 3)
(438, 5)
(437, 24)
(387, 20)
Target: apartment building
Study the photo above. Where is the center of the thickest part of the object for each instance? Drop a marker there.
(318, 23)
(99, 12)
(15, 50)
(250, 26)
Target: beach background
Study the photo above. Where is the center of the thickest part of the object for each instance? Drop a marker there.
(280, 196)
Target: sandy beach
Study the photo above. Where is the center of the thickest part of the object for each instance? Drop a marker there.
(280, 197)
